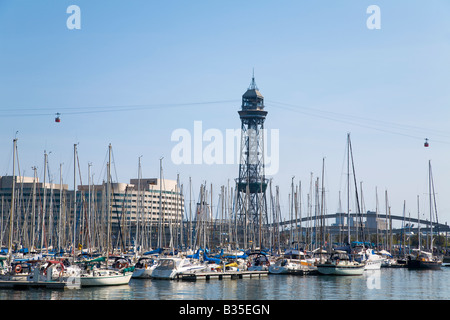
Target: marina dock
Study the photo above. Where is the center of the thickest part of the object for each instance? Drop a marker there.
(17, 284)
(221, 275)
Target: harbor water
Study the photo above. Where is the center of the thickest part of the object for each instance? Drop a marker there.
(384, 284)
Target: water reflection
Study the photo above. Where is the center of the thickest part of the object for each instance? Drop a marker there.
(385, 284)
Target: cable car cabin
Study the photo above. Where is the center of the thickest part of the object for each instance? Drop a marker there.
(426, 143)
(57, 118)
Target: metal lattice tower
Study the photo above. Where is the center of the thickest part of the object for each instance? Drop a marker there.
(251, 209)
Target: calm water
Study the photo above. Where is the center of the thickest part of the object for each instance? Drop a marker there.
(384, 284)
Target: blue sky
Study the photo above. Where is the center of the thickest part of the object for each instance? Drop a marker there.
(138, 70)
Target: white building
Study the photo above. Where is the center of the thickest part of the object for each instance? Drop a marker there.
(137, 213)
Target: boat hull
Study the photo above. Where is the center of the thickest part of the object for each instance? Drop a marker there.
(107, 280)
(171, 274)
(426, 265)
(372, 265)
(164, 274)
(347, 270)
(142, 273)
(278, 270)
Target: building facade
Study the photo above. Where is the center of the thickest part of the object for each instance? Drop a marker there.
(144, 213)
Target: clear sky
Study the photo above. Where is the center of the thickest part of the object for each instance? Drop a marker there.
(136, 71)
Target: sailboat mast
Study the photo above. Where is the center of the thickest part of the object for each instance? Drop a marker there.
(33, 211)
(348, 188)
(160, 203)
(74, 199)
(376, 214)
(108, 198)
(418, 224)
(138, 204)
(45, 204)
(322, 218)
(431, 207)
(89, 205)
(60, 207)
(11, 220)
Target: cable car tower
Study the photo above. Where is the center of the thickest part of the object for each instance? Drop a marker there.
(251, 205)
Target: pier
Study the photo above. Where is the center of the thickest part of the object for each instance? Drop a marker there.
(17, 284)
(232, 275)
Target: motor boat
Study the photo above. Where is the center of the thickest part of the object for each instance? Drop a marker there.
(143, 269)
(170, 267)
(293, 262)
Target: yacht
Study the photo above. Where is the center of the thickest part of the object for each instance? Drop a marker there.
(293, 262)
(170, 267)
(143, 269)
(370, 259)
(258, 261)
(92, 273)
(339, 263)
(424, 260)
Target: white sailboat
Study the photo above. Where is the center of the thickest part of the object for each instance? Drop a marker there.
(339, 262)
(104, 277)
(93, 273)
(341, 265)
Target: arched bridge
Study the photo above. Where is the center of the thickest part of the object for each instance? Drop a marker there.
(424, 224)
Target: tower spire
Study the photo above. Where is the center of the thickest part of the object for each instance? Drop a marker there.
(253, 83)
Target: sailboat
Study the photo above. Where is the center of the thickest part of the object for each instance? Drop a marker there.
(340, 264)
(93, 273)
(426, 259)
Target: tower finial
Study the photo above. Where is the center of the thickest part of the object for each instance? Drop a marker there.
(253, 83)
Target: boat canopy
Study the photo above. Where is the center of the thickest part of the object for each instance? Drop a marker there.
(214, 260)
(385, 253)
(156, 251)
(360, 243)
(99, 259)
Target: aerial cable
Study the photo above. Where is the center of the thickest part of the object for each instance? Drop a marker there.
(375, 124)
(24, 112)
